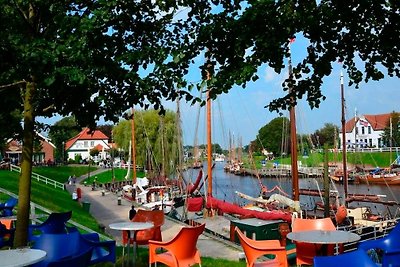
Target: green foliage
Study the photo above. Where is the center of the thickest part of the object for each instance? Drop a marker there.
(60, 132)
(155, 139)
(326, 135)
(273, 137)
(391, 133)
(61, 173)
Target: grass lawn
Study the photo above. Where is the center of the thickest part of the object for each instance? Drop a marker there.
(61, 173)
(381, 159)
(107, 175)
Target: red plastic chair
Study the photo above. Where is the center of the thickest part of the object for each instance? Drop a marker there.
(180, 251)
(305, 252)
(254, 249)
(143, 236)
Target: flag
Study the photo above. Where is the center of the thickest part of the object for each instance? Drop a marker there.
(363, 123)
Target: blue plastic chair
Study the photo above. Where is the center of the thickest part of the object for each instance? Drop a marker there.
(103, 251)
(389, 245)
(356, 258)
(80, 260)
(57, 246)
(55, 223)
(6, 208)
(66, 245)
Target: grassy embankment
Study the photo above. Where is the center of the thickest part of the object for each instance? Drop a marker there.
(60, 201)
(366, 159)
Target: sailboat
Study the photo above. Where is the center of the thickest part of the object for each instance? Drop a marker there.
(213, 206)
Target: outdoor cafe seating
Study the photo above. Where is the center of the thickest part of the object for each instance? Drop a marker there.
(305, 252)
(143, 236)
(254, 249)
(389, 246)
(354, 258)
(181, 250)
(54, 224)
(6, 208)
(6, 233)
(61, 246)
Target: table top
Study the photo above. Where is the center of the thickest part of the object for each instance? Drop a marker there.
(131, 226)
(324, 237)
(21, 257)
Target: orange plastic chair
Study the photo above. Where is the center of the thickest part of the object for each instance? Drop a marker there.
(143, 236)
(181, 250)
(254, 249)
(7, 223)
(305, 252)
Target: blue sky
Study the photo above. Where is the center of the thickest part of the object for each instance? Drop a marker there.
(241, 112)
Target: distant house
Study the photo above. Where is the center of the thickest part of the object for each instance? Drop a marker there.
(366, 130)
(85, 141)
(42, 154)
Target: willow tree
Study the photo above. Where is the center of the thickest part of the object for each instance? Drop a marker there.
(155, 139)
(82, 58)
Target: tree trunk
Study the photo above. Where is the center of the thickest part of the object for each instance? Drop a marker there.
(24, 191)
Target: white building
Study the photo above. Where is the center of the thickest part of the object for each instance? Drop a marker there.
(85, 141)
(366, 130)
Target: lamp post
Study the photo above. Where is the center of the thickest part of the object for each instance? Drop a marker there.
(63, 156)
(88, 163)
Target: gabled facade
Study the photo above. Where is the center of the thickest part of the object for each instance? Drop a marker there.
(366, 130)
(85, 141)
(43, 155)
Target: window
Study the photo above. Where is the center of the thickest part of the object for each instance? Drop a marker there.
(369, 129)
(356, 130)
(362, 130)
(91, 143)
(370, 142)
(379, 142)
(85, 143)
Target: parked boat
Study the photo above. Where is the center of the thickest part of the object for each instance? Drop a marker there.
(379, 177)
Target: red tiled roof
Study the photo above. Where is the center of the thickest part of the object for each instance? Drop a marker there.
(378, 122)
(85, 135)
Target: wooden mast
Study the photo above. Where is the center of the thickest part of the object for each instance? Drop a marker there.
(343, 138)
(293, 138)
(209, 144)
(133, 147)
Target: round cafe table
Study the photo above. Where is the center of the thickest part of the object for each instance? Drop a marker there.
(323, 237)
(133, 227)
(21, 257)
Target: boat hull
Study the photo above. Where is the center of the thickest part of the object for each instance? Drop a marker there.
(378, 179)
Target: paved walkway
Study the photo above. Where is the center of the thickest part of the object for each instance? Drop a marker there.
(106, 211)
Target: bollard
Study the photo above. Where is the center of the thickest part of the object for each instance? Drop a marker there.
(119, 200)
(103, 193)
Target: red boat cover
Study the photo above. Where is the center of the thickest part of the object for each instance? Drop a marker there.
(195, 204)
(192, 187)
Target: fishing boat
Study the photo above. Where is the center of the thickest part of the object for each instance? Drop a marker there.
(379, 176)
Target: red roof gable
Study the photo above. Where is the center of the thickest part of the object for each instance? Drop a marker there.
(378, 122)
(86, 135)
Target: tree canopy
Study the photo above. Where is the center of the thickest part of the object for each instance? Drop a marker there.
(156, 141)
(274, 137)
(391, 133)
(329, 134)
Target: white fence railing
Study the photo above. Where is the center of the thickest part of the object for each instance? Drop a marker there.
(40, 178)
